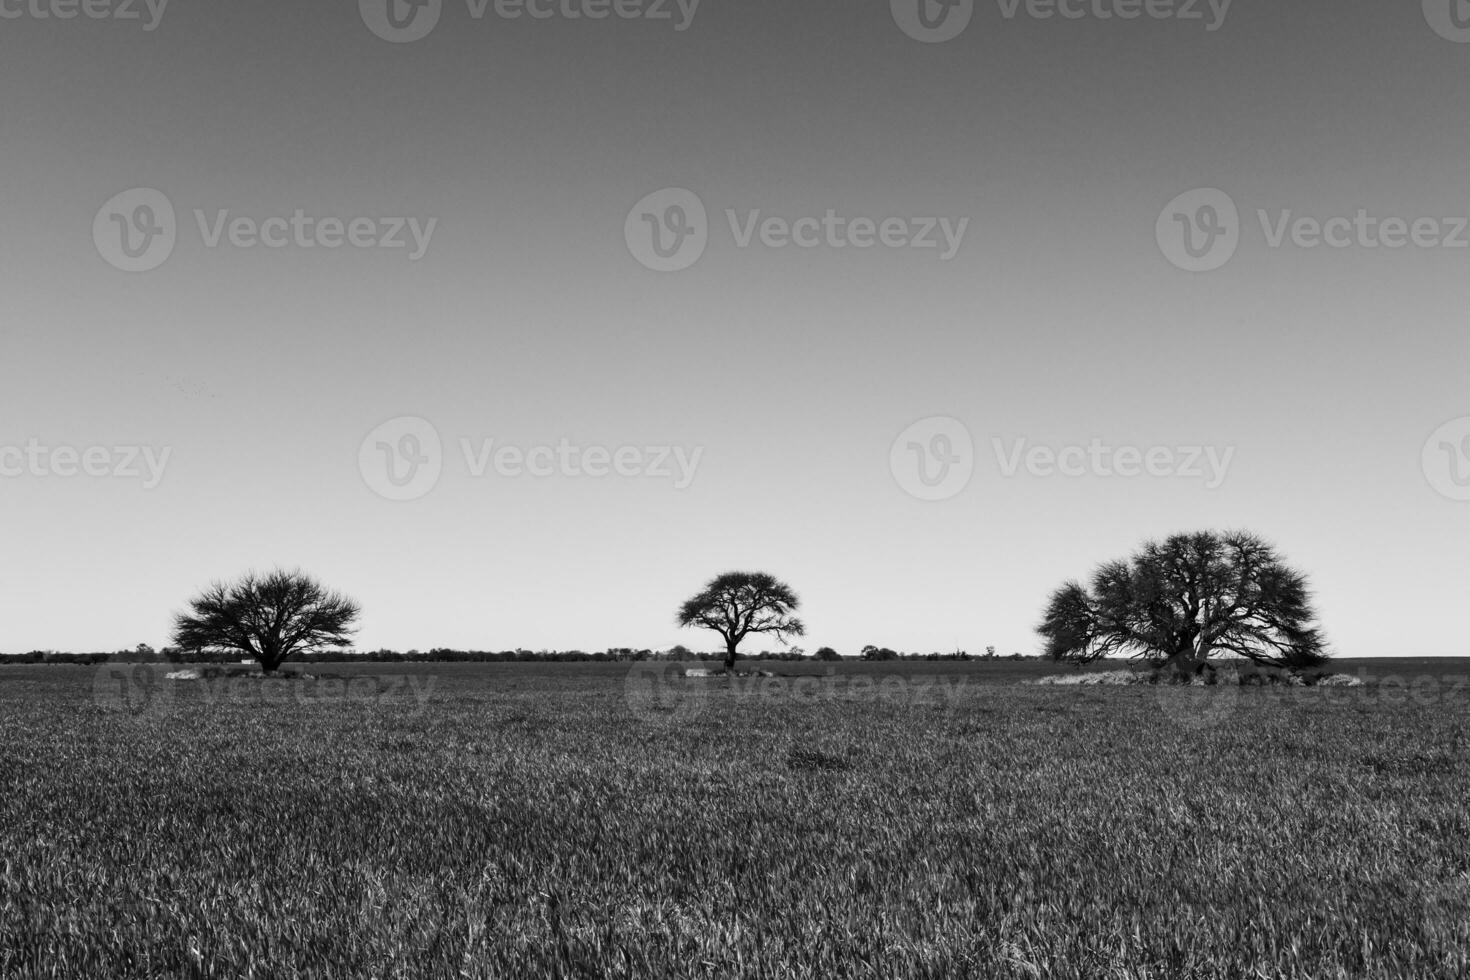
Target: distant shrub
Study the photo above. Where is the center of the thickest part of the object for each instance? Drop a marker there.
(871, 652)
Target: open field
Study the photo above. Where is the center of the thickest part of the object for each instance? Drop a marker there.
(928, 820)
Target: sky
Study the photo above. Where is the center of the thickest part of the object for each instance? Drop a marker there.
(287, 285)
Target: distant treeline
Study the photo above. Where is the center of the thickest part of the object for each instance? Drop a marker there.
(147, 654)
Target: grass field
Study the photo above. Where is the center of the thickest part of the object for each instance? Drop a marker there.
(911, 820)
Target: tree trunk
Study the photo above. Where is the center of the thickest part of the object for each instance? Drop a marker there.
(1186, 663)
(730, 655)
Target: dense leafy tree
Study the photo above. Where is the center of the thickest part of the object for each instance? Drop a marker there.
(1179, 601)
(737, 604)
(267, 617)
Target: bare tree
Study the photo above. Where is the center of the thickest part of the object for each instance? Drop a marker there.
(267, 617)
(1177, 602)
(737, 604)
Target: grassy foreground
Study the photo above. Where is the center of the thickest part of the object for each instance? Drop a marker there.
(572, 820)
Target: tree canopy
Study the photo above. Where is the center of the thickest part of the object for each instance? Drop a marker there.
(737, 604)
(1183, 599)
(267, 617)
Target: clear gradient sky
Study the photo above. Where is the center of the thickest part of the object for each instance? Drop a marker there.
(528, 320)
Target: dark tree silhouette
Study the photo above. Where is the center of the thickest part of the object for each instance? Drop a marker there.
(267, 617)
(1175, 603)
(737, 604)
(871, 652)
